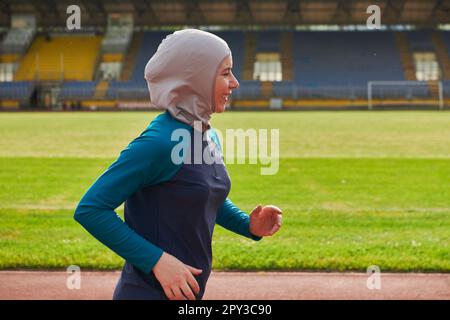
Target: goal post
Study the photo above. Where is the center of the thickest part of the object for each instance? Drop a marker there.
(382, 93)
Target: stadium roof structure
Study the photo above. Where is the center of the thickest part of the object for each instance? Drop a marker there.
(52, 13)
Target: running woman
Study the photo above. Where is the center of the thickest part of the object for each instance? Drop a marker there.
(172, 203)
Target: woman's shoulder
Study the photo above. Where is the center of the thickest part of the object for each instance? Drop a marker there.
(156, 139)
(164, 125)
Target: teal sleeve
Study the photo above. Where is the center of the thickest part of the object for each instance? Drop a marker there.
(232, 218)
(229, 216)
(145, 161)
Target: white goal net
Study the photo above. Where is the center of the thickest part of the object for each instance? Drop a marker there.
(389, 94)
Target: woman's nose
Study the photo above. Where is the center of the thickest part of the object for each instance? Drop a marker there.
(234, 83)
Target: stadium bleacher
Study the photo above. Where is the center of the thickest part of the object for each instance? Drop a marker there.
(248, 89)
(345, 58)
(268, 41)
(327, 65)
(17, 90)
(17, 40)
(116, 40)
(446, 38)
(60, 58)
(77, 90)
(420, 40)
(446, 88)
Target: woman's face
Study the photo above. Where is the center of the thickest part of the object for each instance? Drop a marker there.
(225, 83)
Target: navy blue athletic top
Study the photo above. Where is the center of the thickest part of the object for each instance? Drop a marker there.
(170, 206)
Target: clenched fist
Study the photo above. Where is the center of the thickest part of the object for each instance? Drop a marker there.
(265, 221)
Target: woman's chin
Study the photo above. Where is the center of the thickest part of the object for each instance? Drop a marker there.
(220, 109)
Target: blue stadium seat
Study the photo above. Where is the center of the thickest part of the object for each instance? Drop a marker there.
(446, 38)
(268, 41)
(248, 89)
(80, 90)
(414, 91)
(446, 88)
(285, 89)
(16, 90)
(420, 40)
(345, 58)
(127, 90)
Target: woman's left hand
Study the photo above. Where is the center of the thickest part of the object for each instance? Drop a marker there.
(265, 221)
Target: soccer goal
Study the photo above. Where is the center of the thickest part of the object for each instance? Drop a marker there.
(421, 94)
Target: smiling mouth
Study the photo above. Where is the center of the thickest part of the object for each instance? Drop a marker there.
(226, 97)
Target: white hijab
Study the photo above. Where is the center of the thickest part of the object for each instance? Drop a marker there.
(181, 74)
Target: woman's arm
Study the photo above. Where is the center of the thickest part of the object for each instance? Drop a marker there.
(141, 163)
(234, 219)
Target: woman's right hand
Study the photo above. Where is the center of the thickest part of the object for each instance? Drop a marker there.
(176, 278)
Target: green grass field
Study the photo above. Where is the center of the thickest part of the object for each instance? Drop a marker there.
(356, 188)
